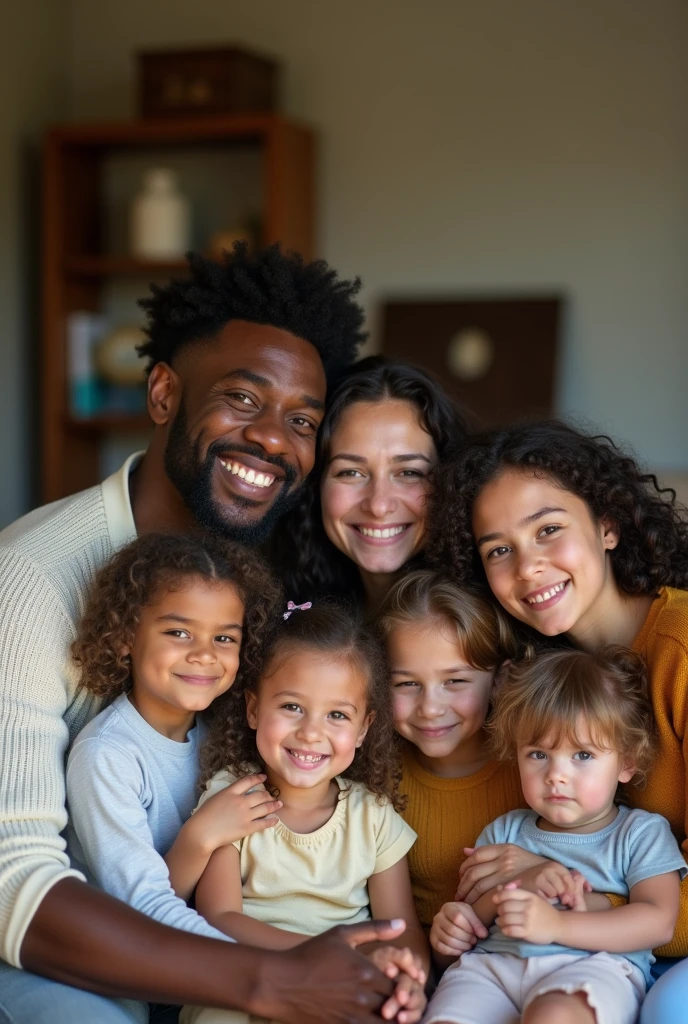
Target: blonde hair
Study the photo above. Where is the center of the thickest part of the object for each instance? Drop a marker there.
(545, 697)
(483, 632)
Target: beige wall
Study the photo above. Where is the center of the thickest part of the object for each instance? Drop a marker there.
(481, 146)
(32, 93)
(465, 146)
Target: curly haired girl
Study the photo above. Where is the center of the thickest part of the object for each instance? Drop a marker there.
(317, 720)
(171, 622)
(575, 540)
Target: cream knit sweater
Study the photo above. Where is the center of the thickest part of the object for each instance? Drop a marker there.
(47, 562)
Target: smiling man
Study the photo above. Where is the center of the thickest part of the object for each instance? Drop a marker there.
(239, 357)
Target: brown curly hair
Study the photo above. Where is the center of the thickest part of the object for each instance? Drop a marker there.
(551, 692)
(132, 579)
(653, 529)
(333, 628)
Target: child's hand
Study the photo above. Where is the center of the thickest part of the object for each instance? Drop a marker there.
(554, 881)
(525, 915)
(408, 1000)
(233, 813)
(391, 960)
(486, 867)
(455, 929)
(575, 897)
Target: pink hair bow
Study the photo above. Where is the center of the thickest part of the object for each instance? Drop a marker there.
(291, 607)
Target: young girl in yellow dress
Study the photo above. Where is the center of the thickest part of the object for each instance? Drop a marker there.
(318, 724)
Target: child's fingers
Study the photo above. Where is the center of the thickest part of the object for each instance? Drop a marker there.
(514, 931)
(509, 892)
(413, 1010)
(403, 989)
(455, 942)
(263, 807)
(243, 785)
(452, 948)
(407, 961)
(455, 931)
(260, 824)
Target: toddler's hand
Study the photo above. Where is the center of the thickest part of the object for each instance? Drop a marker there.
(455, 929)
(552, 881)
(525, 915)
(234, 812)
(575, 897)
(408, 1001)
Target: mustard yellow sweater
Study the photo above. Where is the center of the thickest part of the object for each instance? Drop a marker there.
(448, 814)
(663, 644)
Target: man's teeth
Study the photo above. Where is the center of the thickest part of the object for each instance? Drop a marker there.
(547, 594)
(308, 758)
(392, 531)
(249, 475)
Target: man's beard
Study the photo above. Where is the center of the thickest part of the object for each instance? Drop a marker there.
(193, 478)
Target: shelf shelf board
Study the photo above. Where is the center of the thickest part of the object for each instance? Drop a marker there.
(109, 421)
(122, 266)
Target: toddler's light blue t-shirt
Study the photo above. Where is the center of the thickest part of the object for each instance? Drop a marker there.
(635, 846)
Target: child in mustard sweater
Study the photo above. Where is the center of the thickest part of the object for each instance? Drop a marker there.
(445, 645)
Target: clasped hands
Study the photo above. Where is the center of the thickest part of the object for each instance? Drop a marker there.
(407, 1002)
(523, 908)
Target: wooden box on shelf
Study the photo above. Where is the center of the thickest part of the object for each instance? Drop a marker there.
(80, 262)
(226, 80)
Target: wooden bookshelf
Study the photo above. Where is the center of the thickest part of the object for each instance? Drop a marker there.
(79, 265)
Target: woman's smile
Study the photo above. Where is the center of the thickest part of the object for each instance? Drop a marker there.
(376, 483)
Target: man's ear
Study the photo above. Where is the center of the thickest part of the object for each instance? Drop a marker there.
(251, 708)
(164, 388)
(364, 728)
(610, 534)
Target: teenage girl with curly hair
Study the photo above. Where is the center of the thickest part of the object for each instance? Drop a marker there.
(576, 541)
(317, 721)
(170, 624)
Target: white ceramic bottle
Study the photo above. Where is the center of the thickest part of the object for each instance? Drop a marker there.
(160, 218)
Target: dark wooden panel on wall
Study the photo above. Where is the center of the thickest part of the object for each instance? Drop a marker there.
(498, 356)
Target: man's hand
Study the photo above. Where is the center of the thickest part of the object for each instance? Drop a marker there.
(326, 979)
(402, 965)
(489, 866)
(239, 810)
(455, 929)
(525, 915)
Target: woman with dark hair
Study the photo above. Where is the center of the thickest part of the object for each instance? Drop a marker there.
(363, 514)
(577, 541)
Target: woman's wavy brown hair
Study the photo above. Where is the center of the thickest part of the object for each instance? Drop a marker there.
(653, 529)
(138, 573)
(545, 698)
(334, 629)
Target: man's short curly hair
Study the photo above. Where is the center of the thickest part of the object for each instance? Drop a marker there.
(268, 287)
(653, 528)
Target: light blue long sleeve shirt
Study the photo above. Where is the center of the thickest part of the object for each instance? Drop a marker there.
(129, 791)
